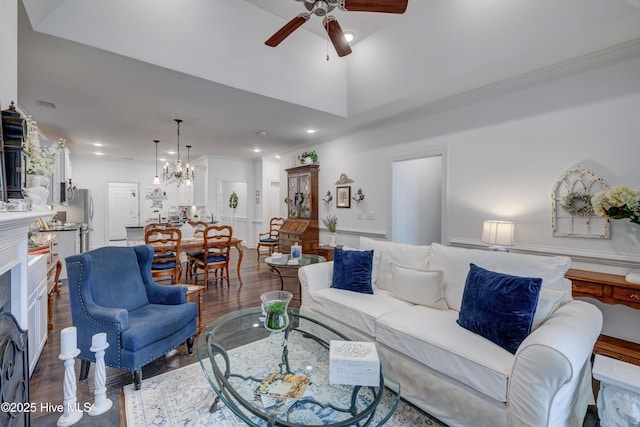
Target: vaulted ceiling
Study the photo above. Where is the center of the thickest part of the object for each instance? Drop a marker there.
(119, 72)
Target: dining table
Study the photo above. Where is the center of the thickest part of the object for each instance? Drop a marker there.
(197, 244)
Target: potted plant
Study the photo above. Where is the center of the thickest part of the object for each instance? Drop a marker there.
(308, 157)
(331, 222)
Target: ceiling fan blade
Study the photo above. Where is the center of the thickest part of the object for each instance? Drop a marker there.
(286, 31)
(337, 36)
(381, 6)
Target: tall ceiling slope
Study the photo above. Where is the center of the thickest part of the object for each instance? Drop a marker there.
(217, 40)
(442, 48)
(437, 48)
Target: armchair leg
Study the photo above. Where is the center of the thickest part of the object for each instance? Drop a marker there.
(190, 345)
(84, 370)
(137, 378)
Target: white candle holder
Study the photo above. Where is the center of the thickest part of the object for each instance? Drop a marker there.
(72, 413)
(102, 404)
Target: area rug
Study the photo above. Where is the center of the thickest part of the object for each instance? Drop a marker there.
(183, 397)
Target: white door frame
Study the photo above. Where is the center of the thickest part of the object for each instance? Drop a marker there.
(108, 206)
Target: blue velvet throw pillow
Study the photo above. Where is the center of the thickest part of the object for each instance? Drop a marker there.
(352, 270)
(500, 307)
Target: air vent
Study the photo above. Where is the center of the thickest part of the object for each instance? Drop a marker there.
(46, 104)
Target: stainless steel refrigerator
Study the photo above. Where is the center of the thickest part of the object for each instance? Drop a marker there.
(80, 211)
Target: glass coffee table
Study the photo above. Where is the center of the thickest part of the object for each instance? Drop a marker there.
(236, 353)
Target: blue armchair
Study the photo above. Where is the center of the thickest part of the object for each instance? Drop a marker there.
(111, 290)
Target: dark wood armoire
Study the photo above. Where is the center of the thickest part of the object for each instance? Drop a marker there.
(301, 225)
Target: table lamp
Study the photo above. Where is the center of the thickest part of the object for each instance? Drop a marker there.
(498, 234)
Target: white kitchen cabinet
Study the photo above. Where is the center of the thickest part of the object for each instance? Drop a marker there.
(68, 244)
(36, 307)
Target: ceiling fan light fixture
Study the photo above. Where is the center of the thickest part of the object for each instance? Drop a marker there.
(349, 36)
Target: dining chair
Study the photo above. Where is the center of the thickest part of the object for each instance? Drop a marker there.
(215, 255)
(270, 238)
(198, 233)
(166, 248)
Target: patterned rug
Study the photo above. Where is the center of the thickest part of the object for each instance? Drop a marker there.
(183, 397)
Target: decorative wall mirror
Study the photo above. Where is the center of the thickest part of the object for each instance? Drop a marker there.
(572, 213)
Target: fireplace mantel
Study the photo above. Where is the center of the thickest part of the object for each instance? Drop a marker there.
(14, 229)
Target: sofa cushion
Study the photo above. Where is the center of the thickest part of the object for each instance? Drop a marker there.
(454, 262)
(154, 322)
(499, 307)
(352, 270)
(357, 310)
(411, 256)
(418, 286)
(432, 337)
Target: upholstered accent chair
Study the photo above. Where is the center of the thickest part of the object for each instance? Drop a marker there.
(215, 256)
(166, 249)
(270, 238)
(111, 290)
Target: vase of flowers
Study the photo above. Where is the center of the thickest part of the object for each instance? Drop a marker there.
(619, 202)
(331, 222)
(40, 160)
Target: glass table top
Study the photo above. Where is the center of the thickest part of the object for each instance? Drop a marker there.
(237, 352)
(283, 261)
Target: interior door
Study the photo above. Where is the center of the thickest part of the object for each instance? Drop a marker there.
(123, 208)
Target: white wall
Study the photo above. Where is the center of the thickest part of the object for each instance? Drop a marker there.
(504, 153)
(9, 49)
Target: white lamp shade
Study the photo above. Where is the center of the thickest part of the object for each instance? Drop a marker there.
(498, 232)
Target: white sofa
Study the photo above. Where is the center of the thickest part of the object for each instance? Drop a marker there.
(450, 372)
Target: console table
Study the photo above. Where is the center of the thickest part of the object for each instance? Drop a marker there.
(610, 289)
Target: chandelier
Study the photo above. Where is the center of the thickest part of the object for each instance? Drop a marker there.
(175, 172)
(156, 179)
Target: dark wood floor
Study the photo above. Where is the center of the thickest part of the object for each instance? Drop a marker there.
(47, 380)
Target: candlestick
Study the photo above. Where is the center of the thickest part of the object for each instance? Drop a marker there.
(72, 413)
(68, 340)
(101, 405)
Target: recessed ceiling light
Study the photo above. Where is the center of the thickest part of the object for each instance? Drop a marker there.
(97, 144)
(349, 36)
(171, 152)
(98, 153)
(310, 131)
(277, 156)
(262, 133)
(256, 150)
(162, 159)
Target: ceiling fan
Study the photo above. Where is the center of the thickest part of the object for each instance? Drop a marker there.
(331, 25)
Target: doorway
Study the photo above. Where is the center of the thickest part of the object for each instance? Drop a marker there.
(123, 209)
(416, 208)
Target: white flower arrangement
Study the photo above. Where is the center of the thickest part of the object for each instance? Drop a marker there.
(40, 160)
(618, 202)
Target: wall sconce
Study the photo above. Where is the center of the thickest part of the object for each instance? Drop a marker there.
(359, 196)
(498, 234)
(327, 201)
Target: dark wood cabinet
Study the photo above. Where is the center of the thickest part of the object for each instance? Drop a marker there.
(301, 225)
(610, 289)
(14, 161)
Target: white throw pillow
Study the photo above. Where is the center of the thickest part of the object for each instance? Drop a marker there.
(411, 256)
(454, 262)
(418, 286)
